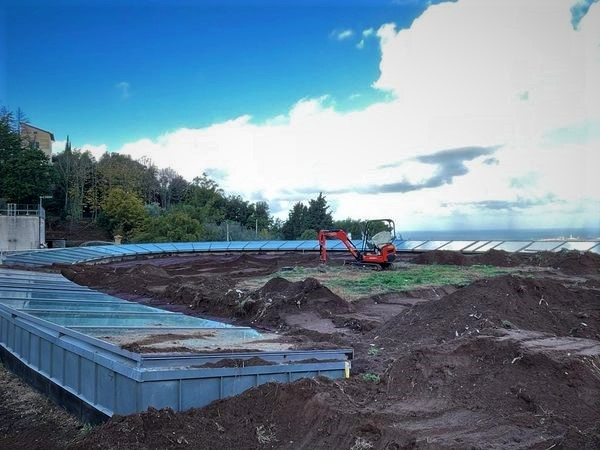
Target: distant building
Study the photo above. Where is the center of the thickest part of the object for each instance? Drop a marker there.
(41, 139)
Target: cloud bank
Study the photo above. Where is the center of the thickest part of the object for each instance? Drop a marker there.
(490, 81)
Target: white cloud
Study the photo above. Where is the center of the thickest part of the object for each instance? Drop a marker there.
(369, 32)
(96, 150)
(342, 35)
(457, 77)
(124, 88)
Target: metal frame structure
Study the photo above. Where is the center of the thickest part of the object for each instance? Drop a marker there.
(111, 380)
(73, 255)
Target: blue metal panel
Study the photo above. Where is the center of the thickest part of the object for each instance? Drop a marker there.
(255, 245)
(218, 246)
(57, 356)
(46, 357)
(201, 246)
(512, 246)
(166, 247)
(271, 245)
(198, 392)
(126, 395)
(183, 246)
(237, 246)
(35, 350)
(72, 371)
(88, 375)
(105, 387)
(408, 245)
(236, 384)
(25, 344)
(308, 246)
(160, 394)
(290, 245)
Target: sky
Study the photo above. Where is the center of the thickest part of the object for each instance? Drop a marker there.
(441, 115)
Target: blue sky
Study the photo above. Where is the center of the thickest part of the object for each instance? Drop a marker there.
(459, 114)
(106, 73)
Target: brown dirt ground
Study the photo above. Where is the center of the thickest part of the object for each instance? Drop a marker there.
(570, 262)
(29, 420)
(508, 362)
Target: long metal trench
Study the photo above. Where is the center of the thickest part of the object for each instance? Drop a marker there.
(65, 339)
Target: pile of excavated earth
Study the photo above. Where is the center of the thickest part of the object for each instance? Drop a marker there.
(511, 361)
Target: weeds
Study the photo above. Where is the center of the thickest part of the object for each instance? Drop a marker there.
(86, 429)
(374, 351)
(371, 377)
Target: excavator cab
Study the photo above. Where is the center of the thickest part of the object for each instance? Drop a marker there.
(378, 233)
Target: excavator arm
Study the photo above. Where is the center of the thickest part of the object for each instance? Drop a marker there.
(342, 236)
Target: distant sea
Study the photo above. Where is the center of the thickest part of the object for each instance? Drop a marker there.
(504, 234)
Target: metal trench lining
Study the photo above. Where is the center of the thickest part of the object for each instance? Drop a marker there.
(103, 377)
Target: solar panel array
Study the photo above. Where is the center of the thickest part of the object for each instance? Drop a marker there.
(72, 255)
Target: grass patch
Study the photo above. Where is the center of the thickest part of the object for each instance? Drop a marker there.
(417, 276)
(371, 378)
(352, 283)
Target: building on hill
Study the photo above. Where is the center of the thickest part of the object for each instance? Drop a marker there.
(41, 139)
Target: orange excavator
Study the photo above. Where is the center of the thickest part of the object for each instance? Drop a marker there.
(378, 251)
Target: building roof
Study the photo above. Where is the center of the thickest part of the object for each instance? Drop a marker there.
(39, 129)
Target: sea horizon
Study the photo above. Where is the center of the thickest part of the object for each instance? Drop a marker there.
(502, 234)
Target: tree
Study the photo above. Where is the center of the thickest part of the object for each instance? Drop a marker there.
(352, 226)
(296, 223)
(172, 227)
(123, 212)
(25, 172)
(318, 215)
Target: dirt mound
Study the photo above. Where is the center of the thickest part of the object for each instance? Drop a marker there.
(506, 376)
(211, 295)
(147, 271)
(571, 262)
(507, 301)
(459, 395)
(304, 414)
(498, 258)
(279, 296)
(442, 257)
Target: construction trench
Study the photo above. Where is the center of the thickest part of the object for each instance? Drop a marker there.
(197, 333)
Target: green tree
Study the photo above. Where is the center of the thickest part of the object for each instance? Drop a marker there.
(122, 212)
(171, 227)
(352, 226)
(318, 215)
(25, 172)
(296, 223)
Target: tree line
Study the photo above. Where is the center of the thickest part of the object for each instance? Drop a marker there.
(142, 203)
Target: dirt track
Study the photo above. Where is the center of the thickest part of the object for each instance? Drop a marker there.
(506, 362)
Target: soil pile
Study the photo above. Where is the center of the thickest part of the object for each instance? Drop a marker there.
(502, 302)
(459, 395)
(506, 377)
(442, 257)
(279, 297)
(210, 295)
(139, 279)
(304, 414)
(570, 262)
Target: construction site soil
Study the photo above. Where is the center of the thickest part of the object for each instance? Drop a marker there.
(506, 362)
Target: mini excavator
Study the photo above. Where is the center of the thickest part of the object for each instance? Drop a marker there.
(378, 251)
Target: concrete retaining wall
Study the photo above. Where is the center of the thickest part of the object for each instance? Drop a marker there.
(21, 232)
